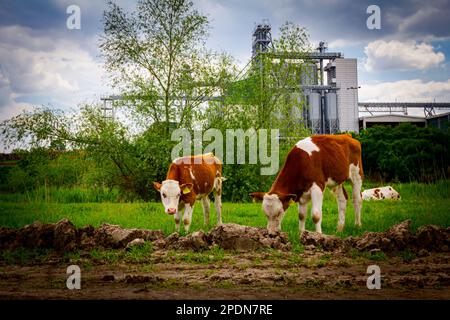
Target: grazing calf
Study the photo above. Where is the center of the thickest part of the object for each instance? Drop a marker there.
(380, 193)
(312, 164)
(189, 179)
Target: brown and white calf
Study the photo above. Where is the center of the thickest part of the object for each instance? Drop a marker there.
(189, 179)
(315, 163)
(381, 193)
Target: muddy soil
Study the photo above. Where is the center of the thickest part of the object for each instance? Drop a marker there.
(229, 262)
(309, 275)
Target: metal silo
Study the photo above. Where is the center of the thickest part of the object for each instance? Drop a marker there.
(314, 111)
(332, 124)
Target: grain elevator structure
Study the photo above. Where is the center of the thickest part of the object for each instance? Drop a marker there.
(329, 85)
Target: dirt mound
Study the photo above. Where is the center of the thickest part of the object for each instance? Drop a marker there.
(397, 238)
(243, 238)
(113, 236)
(196, 241)
(326, 242)
(431, 236)
(229, 236)
(63, 236)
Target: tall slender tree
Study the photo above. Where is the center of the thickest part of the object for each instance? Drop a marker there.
(156, 57)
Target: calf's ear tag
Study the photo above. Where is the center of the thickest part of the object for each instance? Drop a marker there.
(291, 202)
(186, 190)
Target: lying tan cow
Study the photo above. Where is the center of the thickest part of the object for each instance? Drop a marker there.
(313, 164)
(380, 193)
(189, 179)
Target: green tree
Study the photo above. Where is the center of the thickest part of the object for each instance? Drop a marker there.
(268, 96)
(157, 60)
(156, 57)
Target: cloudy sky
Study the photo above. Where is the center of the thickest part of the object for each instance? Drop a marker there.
(44, 63)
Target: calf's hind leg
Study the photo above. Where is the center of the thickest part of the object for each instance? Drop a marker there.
(341, 197)
(218, 205)
(356, 179)
(205, 205)
(218, 198)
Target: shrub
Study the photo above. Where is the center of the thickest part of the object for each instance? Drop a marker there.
(405, 153)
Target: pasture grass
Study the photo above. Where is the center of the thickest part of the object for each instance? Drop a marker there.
(24, 256)
(74, 194)
(422, 203)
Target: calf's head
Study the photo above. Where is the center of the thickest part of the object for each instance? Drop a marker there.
(274, 206)
(393, 193)
(171, 191)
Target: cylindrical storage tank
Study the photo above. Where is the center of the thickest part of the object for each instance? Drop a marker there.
(332, 112)
(314, 111)
(314, 106)
(331, 100)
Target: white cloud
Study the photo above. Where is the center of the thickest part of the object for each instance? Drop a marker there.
(10, 107)
(44, 68)
(340, 43)
(406, 91)
(397, 55)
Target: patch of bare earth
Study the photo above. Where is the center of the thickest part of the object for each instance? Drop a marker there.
(250, 265)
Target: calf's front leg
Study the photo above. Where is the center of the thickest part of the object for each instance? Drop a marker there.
(302, 212)
(177, 216)
(187, 218)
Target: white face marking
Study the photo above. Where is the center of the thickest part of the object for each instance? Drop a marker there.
(170, 195)
(273, 209)
(307, 145)
(272, 205)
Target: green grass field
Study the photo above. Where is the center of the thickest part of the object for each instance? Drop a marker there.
(422, 203)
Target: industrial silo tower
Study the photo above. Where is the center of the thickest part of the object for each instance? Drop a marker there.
(262, 38)
(332, 106)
